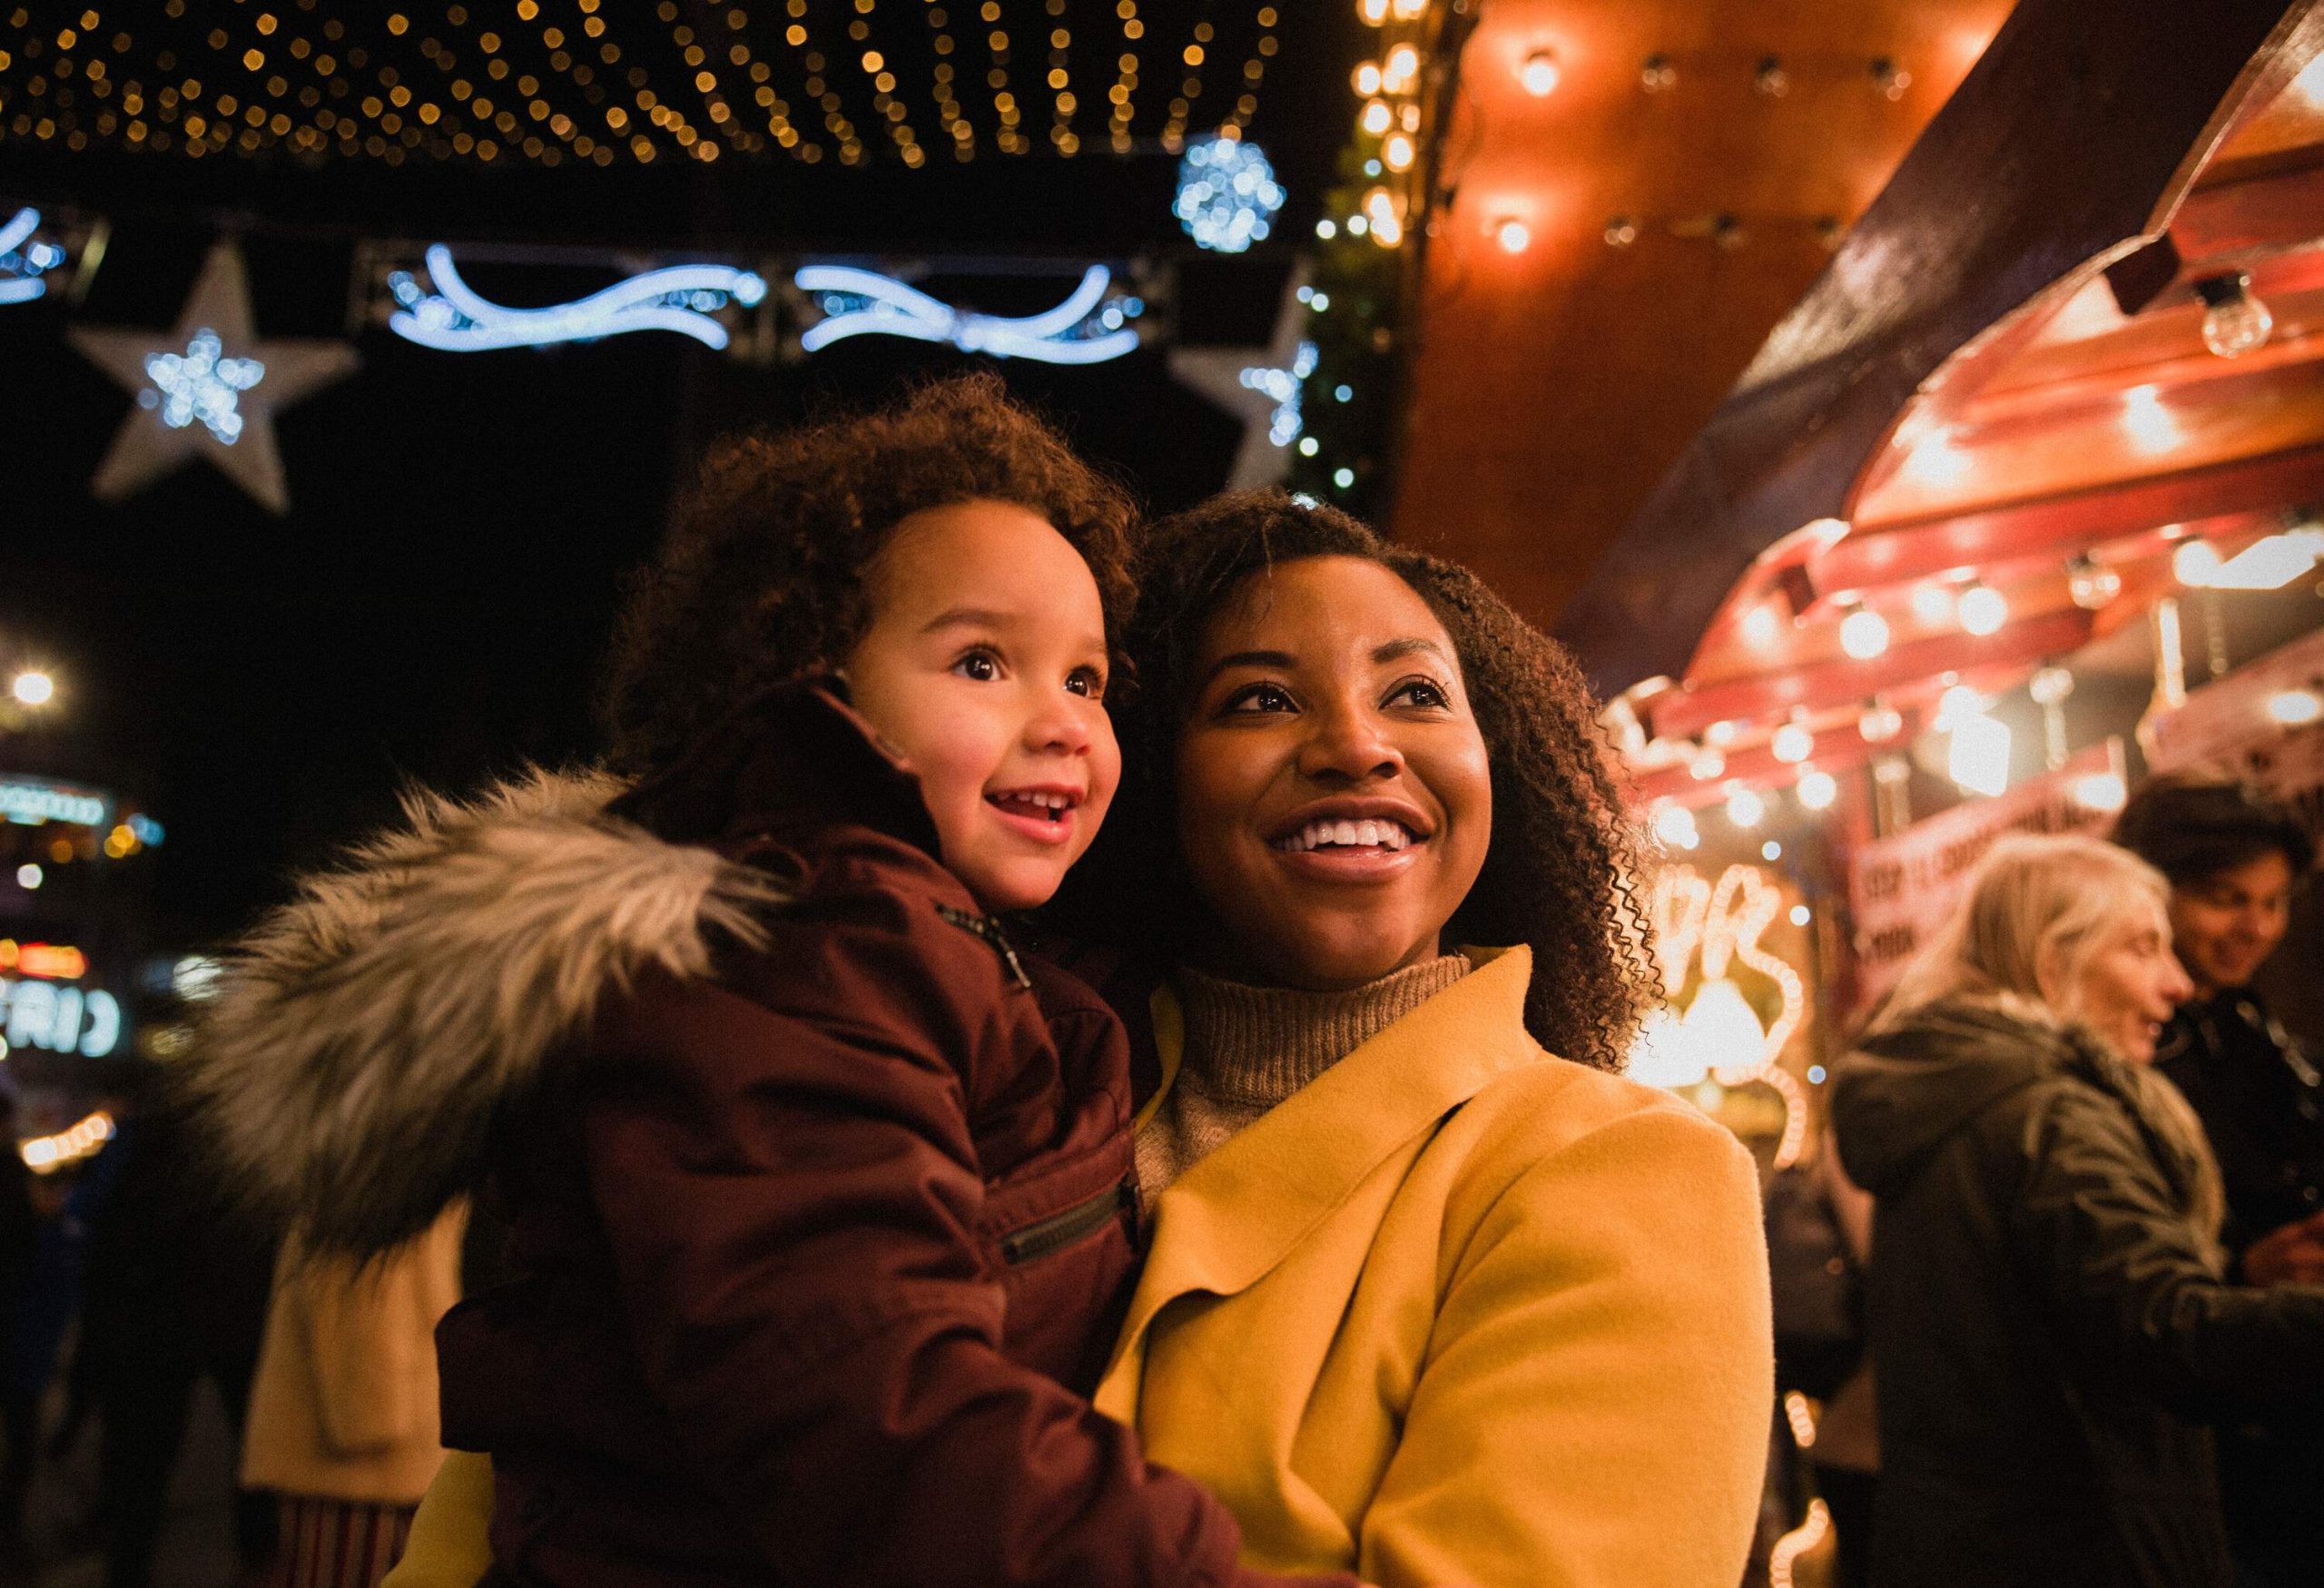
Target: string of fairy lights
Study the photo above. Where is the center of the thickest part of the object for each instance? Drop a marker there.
(579, 82)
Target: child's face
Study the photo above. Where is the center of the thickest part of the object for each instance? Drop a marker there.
(985, 664)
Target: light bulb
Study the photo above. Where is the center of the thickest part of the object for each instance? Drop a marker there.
(1932, 604)
(1387, 231)
(1880, 723)
(2050, 685)
(1817, 790)
(1745, 807)
(2092, 583)
(1374, 12)
(1411, 10)
(1675, 825)
(1398, 153)
(1401, 67)
(1706, 764)
(1513, 235)
(1983, 610)
(2295, 708)
(1864, 634)
(1367, 79)
(1978, 757)
(33, 688)
(1759, 625)
(1378, 117)
(1539, 74)
(1792, 744)
(2234, 322)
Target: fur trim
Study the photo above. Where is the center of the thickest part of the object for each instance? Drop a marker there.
(367, 1035)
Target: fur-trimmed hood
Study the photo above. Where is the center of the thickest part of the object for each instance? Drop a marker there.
(367, 1035)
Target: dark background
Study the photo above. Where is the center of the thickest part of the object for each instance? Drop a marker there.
(434, 606)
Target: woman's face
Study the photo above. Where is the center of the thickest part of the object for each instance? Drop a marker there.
(1335, 799)
(2131, 982)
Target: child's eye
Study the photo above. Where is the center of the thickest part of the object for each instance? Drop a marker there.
(979, 665)
(1087, 682)
(1422, 693)
(1254, 698)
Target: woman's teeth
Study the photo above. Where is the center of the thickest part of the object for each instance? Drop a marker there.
(1367, 834)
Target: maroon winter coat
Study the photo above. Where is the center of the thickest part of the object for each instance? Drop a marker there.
(820, 1256)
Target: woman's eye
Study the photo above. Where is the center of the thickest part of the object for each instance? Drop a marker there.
(983, 667)
(1087, 682)
(1420, 692)
(1260, 697)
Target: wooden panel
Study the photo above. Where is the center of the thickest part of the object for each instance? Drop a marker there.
(2068, 139)
(1553, 389)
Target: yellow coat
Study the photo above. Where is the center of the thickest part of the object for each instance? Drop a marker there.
(1455, 1313)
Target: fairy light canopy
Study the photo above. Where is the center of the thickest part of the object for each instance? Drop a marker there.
(550, 82)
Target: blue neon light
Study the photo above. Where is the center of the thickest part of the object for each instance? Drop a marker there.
(24, 260)
(680, 298)
(1083, 329)
(1228, 195)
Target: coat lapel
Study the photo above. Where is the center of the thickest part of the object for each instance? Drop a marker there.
(1225, 1223)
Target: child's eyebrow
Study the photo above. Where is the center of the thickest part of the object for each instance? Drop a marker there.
(966, 617)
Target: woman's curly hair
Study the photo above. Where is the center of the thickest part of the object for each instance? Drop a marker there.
(760, 578)
(1560, 873)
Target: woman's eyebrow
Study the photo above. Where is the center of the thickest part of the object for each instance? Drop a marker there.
(1397, 649)
(1248, 659)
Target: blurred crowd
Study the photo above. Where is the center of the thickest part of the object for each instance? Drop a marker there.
(2050, 1305)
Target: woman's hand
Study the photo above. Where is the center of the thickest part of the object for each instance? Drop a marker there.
(2292, 1254)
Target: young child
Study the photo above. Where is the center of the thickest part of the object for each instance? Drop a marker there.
(821, 1191)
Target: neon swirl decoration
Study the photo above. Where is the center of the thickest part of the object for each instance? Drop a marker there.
(24, 260)
(1082, 330)
(455, 320)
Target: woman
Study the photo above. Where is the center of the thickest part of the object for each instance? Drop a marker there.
(2048, 1319)
(1424, 1302)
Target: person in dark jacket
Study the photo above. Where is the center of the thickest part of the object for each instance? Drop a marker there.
(821, 1192)
(2233, 862)
(2048, 1312)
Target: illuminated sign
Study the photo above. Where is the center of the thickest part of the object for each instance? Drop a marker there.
(51, 961)
(63, 1020)
(24, 259)
(1084, 328)
(455, 318)
(1706, 1028)
(31, 801)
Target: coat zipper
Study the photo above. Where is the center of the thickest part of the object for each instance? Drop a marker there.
(1044, 1236)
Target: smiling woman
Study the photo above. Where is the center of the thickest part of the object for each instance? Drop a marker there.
(1427, 1301)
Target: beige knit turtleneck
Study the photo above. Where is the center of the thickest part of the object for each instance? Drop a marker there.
(1249, 1048)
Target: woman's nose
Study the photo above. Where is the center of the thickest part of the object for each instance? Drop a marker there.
(1350, 743)
(2178, 986)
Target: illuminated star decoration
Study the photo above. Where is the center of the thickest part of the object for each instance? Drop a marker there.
(208, 388)
(679, 298)
(1260, 386)
(1228, 195)
(1088, 328)
(24, 259)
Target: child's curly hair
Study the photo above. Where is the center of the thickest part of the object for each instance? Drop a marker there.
(1560, 873)
(760, 578)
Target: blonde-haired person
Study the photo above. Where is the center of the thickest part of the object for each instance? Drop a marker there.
(2050, 1326)
(343, 1424)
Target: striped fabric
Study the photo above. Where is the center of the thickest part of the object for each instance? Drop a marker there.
(337, 1543)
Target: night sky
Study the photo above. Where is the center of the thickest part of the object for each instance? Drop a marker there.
(435, 604)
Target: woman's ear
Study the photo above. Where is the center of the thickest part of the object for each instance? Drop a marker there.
(2051, 978)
